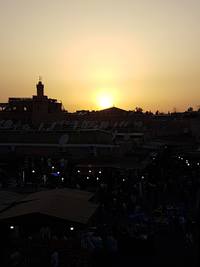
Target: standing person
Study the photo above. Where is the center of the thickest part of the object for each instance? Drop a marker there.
(15, 259)
(55, 259)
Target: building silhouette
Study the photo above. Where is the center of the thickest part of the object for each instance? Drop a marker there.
(37, 109)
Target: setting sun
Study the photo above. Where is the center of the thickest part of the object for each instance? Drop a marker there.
(106, 97)
(105, 101)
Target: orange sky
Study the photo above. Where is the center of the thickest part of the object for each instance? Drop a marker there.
(139, 53)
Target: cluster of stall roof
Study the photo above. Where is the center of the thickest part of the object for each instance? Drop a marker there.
(62, 204)
(73, 123)
(71, 137)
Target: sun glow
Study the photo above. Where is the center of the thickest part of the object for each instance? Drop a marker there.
(105, 97)
(105, 101)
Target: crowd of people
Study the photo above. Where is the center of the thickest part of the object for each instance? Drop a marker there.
(149, 219)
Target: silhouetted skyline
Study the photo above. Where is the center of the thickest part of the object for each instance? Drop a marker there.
(128, 53)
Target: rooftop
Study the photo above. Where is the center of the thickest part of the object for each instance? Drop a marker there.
(66, 204)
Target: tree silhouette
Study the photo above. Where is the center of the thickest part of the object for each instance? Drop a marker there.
(190, 109)
(138, 110)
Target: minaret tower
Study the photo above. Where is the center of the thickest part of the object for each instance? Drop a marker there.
(40, 88)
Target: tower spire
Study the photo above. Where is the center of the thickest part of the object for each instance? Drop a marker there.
(40, 88)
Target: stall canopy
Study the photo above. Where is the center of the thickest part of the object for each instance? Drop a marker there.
(64, 204)
(8, 198)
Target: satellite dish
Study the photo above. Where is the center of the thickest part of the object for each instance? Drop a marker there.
(64, 139)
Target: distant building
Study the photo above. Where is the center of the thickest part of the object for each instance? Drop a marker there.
(46, 114)
(113, 111)
(33, 110)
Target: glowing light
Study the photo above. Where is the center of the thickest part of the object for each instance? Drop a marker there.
(71, 228)
(105, 101)
(33, 171)
(78, 171)
(12, 227)
(106, 95)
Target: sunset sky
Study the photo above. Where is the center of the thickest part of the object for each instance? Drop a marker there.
(135, 53)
